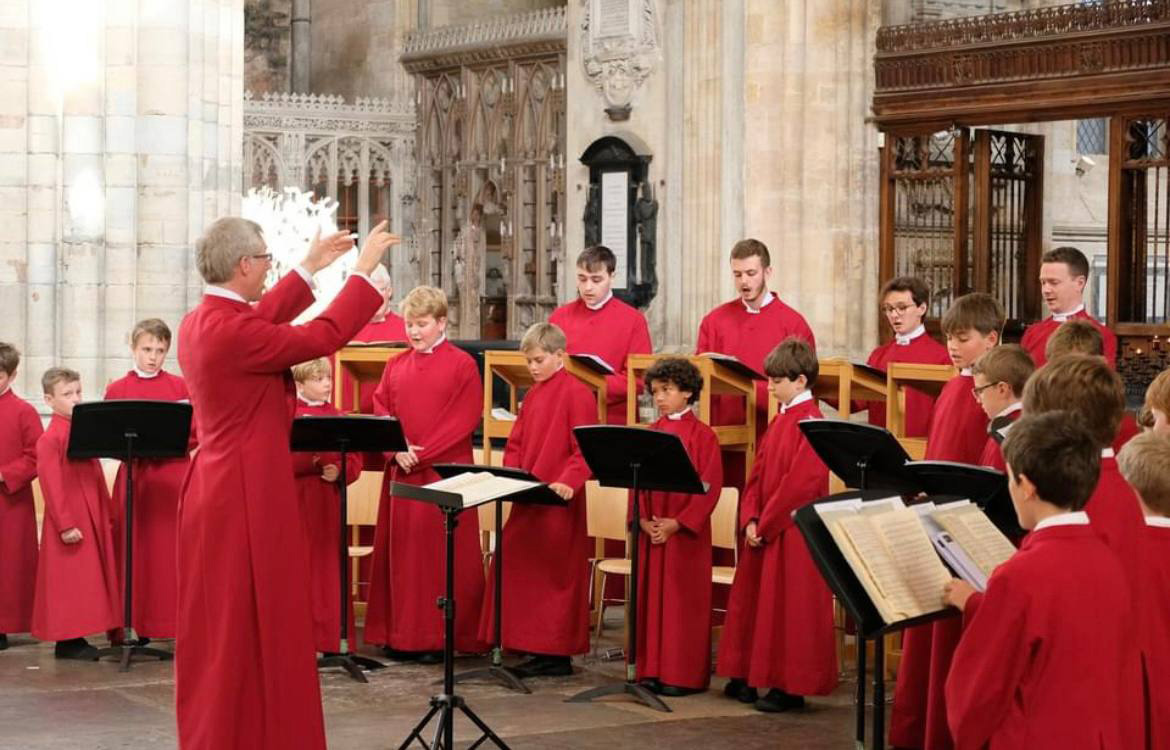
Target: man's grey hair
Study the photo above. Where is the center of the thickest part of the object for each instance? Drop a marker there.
(218, 251)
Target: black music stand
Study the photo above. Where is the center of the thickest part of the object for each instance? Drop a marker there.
(843, 583)
(864, 456)
(129, 430)
(982, 485)
(639, 459)
(541, 495)
(446, 703)
(345, 435)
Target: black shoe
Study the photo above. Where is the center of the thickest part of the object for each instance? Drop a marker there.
(677, 691)
(777, 701)
(402, 656)
(545, 666)
(3, 641)
(429, 657)
(75, 648)
(142, 641)
(738, 688)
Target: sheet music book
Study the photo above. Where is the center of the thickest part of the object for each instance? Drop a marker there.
(869, 370)
(594, 363)
(963, 525)
(479, 487)
(733, 364)
(378, 344)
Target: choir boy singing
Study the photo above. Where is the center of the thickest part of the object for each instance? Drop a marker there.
(779, 630)
(958, 432)
(1158, 402)
(1064, 271)
(436, 392)
(545, 587)
(77, 573)
(1042, 656)
(904, 302)
(674, 596)
(598, 323)
(19, 429)
(1145, 464)
(999, 378)
(157, 483)
(320, 502)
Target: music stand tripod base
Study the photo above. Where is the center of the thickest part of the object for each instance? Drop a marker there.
(129, 649)
(352, 663)
(497, 671)
(632, 689)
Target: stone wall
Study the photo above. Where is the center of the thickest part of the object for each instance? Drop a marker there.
(267, 45)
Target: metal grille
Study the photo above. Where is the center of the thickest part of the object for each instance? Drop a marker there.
(1012, 169)
(1145, 260)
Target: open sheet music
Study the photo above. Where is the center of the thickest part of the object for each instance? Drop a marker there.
(479, 487)
(594, 363)
(733, 364)
(967, 540)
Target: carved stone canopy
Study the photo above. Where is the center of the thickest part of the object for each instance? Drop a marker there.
(619, 49)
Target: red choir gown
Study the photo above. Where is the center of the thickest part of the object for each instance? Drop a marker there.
(320, 504)
(674, 579)
(1126, 430)
(391, 329)
(1041, 658)
(157, 484)
(958, 432)
(779, 626)
(545, 584)
(18, 522)
(1035, 339)
(78, 591)
(245, 669)
(613, 332)
(923, 350)
(1155, 617)
(437, 397)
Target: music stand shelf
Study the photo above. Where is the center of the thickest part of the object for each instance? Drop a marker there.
(511, 367)
(718, 379)
(929, 379)
(365, 365)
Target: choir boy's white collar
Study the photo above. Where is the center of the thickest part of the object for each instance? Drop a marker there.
(904, 340)
(1159, 521)
(680, 413)
(965, 372)
(600, 304)
(1010, 409)
(1108, 453)
(309, 402)
(767, 300)
(797, 400)
(146, 375)
(1074, 518)
(1063, 316)
(434, 346)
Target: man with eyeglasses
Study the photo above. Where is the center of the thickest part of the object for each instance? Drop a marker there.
(245, 669)
(904, 301)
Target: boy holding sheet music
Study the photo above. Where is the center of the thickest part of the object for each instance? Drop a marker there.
(674, 553)
(999, 377)
(546, 583)
(1046, 656)
(1145, 464)
(779, 629)
(958, 432)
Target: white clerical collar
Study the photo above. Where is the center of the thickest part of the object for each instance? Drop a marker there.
(768, 297)
(309, 402)
(797, 400)
(679, 414)
(965, 372)
(431, 350)
(146, 375)
(1074, 518)
(904, 340)
(1063, 316)
(1107, 453)
(1010, 409)
(600, 304)
(219, 291)
(1159, 521)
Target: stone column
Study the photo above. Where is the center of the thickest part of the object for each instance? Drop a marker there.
(301, 49)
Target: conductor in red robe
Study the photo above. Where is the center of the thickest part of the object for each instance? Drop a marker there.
(20, 427)
(779, 630)
(245, 670)
(158, 483)
(674, 553)
(598, 323)
(1064, 271)
(78, 589)
(436, 392)
(545, 586)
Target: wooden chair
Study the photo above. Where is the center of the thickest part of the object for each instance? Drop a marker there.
(39, 506)
(110, 470)
(607, 509)
(723, 533)
(363, 499)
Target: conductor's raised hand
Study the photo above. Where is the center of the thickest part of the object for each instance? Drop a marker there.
(374, 248)
(324, 250)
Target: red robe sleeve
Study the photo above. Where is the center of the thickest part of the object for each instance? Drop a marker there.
(21, 470)
(807, 479)
(575, 473)
(384, 395)
(59, 501)
(286, 300)
(514, 448)
(706, 341)
(709, 461)
(353, 468)
(304, 465)
(459, 416)
(752, 499)
(616, 385)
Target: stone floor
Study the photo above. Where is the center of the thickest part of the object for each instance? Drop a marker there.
(49, 704)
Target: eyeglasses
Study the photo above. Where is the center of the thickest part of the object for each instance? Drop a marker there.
(900, 309)
(978, 390)
(266, 257)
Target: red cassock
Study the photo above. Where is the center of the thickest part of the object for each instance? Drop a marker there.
(779, 627)
(320, 504)
(614, 332)
(1036, 337)
(1155, 619)
(390, 329)
(245, 670)
(958, 432)
(546, 582)
(922, 350)
(1127, 429)
(437, 397)
(157, 484)
(18, 521)
(1040, 660)
(674, 579)
(992, 455)
(77, 584)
